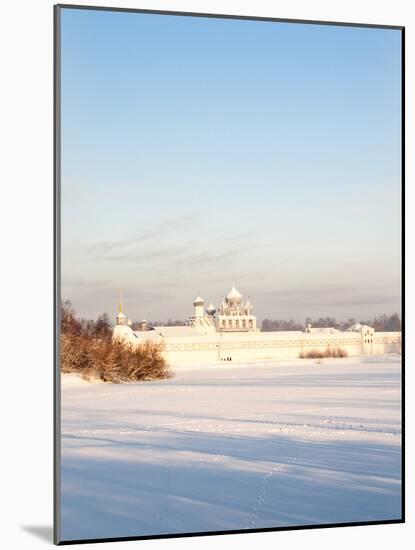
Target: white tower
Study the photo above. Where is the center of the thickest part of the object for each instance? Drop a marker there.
(121, 319)
(199, 304)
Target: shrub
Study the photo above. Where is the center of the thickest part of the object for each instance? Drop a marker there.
(87, 349)
(328, 352)
(111, 361)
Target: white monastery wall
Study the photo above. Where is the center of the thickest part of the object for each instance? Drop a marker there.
(203, 340)
(272, 345)
(386, 342)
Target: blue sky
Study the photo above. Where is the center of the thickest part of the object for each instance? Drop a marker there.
(197, 152)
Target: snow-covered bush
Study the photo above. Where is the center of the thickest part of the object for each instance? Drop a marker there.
(87, 349)
(111, 361)
(319, 354)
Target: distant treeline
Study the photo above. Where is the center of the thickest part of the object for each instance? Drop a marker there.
(70, 324)
(87, 348)
(383, 323)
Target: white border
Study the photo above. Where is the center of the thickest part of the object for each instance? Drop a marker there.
(26, 273)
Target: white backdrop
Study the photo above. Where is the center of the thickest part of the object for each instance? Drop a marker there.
(26, 270)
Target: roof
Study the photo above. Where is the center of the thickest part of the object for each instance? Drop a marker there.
(198, 300)
(178, 331)
(326, 330)
(355, 327)
(233, 293)
(144, 335)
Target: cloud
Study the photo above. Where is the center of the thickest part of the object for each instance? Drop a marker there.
(336, 293)
(338, 299)
(100, 249)
(84, 283)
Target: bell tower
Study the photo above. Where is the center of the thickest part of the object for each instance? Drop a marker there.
(199, 306)
(121, 319)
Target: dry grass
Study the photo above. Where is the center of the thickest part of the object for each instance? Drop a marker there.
(328, 352)
(111, 361)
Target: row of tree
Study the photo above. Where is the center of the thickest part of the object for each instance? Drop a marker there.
(100, 328)
(383, 323)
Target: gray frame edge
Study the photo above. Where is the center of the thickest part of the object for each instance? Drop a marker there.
(57, 273)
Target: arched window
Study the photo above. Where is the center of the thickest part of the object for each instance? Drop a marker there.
(237, 323)
(244, 323)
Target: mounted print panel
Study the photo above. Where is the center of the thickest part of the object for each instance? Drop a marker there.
(229, 260)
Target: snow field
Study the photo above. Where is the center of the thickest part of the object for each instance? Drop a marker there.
(233, 447)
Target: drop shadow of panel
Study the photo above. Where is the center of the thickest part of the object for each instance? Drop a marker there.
(43, 532)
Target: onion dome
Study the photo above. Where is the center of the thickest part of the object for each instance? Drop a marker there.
(198, 301)
(233, 295)
(211, 310)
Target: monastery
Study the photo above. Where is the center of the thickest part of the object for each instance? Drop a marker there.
(230, 333)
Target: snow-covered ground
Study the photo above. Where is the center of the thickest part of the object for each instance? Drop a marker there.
(233, 447)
